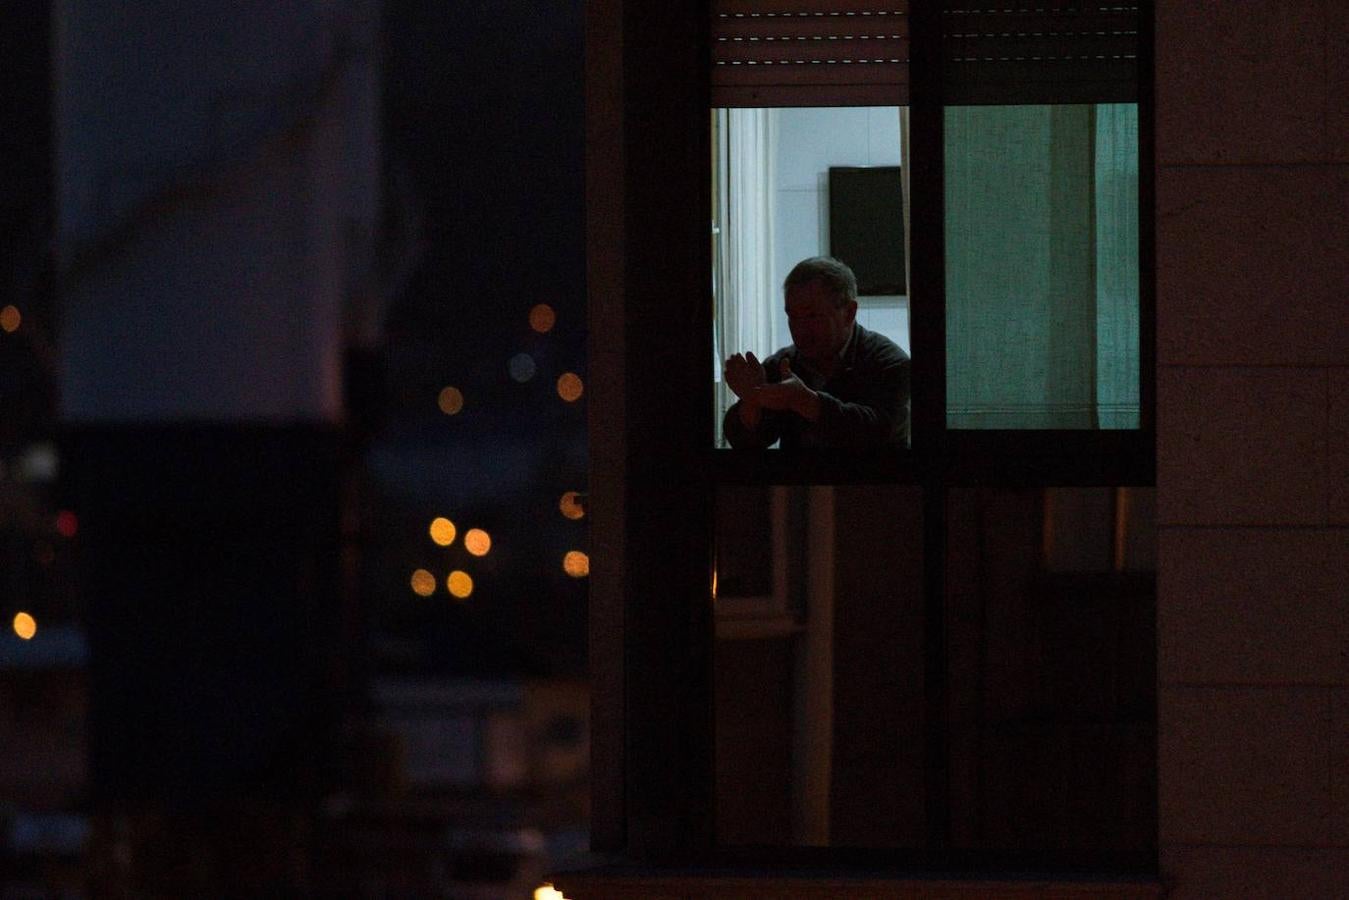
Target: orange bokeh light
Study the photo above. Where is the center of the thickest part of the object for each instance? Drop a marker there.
(10, 319)
(442, 531)
(423, 583)
(572, 506)
(477, 541)
(576, 564)
(25, 626)
(542, 318)
(450, 401)
(460, 584)
(570, 387)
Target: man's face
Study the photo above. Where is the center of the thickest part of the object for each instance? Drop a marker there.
(819, 327)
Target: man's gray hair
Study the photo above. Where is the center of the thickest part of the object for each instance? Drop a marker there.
(828, 271)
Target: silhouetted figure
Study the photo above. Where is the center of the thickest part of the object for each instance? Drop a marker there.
(838, 385)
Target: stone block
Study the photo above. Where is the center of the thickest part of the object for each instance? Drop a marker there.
(1339, 767)
(1251, 266)
(1253, 606)
(1337, 82)
(1255, 873)
(1241, 446)
(1240, 81)
(1241, 765)
(1337, 447)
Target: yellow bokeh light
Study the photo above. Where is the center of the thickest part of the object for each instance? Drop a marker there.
(569, 387)
(477, 541)
(442, 531)
(542, 318)
(548, 892)
(460, 584)
(10, 319)
(450, 401)
(25, 626)
(576, 564)
(423, 583)
(571, 506)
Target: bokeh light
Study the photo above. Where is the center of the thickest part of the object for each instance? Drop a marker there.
(521, 367)
(542, 318)
(25, 626)
(477, 541)
(67, 524)
(442, 531)
(460, 584)
(423, 583)
(450, 401)
(571, 506)
(576, 564)
(569, 387)
(10, 319)
(548, 892)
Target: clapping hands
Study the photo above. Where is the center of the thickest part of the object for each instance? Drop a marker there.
(744, 375)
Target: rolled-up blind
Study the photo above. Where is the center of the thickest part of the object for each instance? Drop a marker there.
(1040, 51)
(810, 52)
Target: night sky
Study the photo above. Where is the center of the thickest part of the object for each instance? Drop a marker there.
(484, 130)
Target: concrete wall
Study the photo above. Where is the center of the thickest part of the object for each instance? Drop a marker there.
(1253, 447)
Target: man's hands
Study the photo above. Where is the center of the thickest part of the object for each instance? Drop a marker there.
(790, 394)
(745, 376)
(744, 373)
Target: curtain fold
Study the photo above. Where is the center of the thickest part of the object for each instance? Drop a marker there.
(1041, 267)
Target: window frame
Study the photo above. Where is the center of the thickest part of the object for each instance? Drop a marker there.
(652, 448)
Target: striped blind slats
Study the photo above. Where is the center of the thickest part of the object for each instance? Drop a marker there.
(801, 53)
(1039, 51)
(792, 29)
(886, 51)
(824, 52)
(808, 8)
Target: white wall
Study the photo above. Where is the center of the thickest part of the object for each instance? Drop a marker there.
(808, 142)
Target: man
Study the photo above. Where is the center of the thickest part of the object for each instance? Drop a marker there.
(838, 385)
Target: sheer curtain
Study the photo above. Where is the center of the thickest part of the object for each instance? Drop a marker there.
(745, 294)
(1042, 266)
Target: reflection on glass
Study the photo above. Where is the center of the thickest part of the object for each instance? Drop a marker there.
(1042, 266)
(820, 708)
(818, 666)
(1051, 607)
(771, 209)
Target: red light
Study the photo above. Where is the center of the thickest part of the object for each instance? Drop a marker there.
(67, 523)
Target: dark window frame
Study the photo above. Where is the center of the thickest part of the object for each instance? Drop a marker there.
(653, 738)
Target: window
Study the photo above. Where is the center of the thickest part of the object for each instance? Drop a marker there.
(914, 522)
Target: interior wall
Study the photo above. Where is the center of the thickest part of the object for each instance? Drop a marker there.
(1253, 449)
(809, 141)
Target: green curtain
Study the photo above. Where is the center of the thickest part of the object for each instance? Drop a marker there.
(1042, 266)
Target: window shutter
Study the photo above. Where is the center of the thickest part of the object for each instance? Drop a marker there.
(810, 52)
(1040, 51)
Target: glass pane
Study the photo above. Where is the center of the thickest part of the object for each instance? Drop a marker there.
(819, 682)
(790, 184)
(1051, 608)
(1042, 266)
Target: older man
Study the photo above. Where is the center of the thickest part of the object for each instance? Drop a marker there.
(838, 385)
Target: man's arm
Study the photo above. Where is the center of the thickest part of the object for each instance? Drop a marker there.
(747, 424)
(877, 414)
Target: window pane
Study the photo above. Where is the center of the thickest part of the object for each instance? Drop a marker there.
(1042, 266)
(819, 683)
(773, 207)
(1051, 608)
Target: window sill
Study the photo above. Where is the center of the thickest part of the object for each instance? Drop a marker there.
(635, 883)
